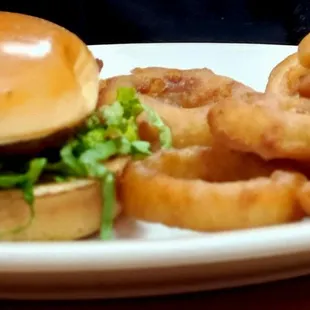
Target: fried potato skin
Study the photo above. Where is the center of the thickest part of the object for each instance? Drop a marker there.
(180, 188)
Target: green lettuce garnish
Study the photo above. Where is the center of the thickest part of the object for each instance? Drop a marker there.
(108, 132)
(108, 190)
(24, 181)
(165, 137)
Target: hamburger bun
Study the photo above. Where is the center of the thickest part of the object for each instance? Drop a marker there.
(49, 79)
(49, 84)
(63, 211)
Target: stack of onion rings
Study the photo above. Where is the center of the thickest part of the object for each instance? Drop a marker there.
(240, 160)
(205, 189)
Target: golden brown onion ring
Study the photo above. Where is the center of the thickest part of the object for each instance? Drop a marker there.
(182, 88)
(188, 126)
(203, 189)
(285, 78)
(116, 164)
(290, 78)
(108, 88)
(304, 197)
(304, 51)
(188, 89)
(304, 87)
(182, 98)
(268, 125)
(304, 60)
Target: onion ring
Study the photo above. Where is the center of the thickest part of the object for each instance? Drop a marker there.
(188, 126)
(182, 98)
(304, 197)
(304, 51)
(108, 88)
(203, 189)
(289, 78)
(183, 88)
(268, 125)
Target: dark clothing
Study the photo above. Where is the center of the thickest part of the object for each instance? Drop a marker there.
(127, 21)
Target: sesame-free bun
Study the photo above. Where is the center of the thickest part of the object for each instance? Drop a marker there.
(63, 211)
(49, 80)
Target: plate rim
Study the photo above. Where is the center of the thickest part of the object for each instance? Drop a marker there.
(244, 44)
(97, 255)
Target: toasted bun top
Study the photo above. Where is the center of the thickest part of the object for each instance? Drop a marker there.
(49, 80)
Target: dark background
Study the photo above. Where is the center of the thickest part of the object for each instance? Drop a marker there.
(134, 21)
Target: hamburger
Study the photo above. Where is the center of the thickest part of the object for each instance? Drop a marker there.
(57, 150)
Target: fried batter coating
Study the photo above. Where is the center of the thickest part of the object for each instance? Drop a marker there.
(290, 78)
(188, 126)
(204, 189)
(304, 197)
(108, 88)
(182, 88)
(304, 51)
(188, 89)
(266, 124)
(182, 98)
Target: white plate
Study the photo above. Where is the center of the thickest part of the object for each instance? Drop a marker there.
(152, 259)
